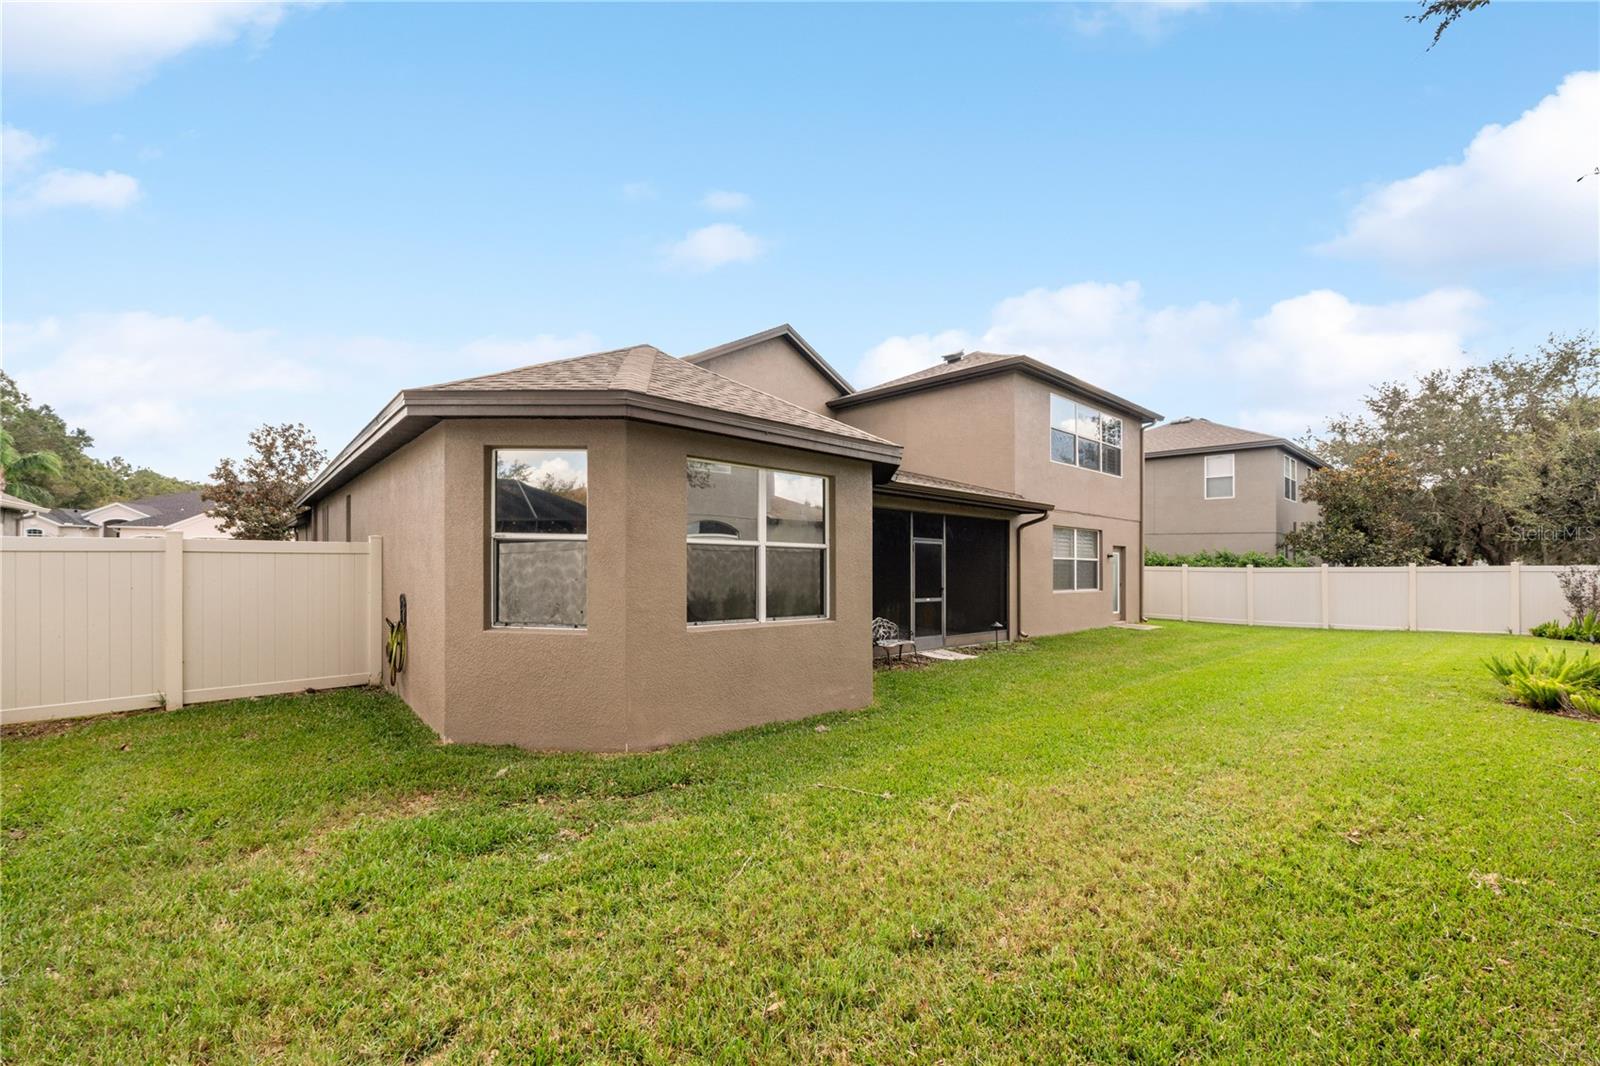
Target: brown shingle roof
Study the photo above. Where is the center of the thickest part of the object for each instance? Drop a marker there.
(980, 364)
(927, 486)
(651, 372)
(911, 477)
(1191, 435)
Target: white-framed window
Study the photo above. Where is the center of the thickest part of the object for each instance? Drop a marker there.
(1074, 559)
(757, 543)
(34, 532)
(1291, 478)
(1083, 436)
(539, 534)
(1219, 477)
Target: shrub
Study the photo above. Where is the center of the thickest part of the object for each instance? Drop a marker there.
(1550, 680)
(1584, 628)
(1581, 586)
(1220, 558)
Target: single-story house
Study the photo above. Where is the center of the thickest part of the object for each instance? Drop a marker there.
(151, 516)
(627, 549)
(1211, 487)
(12, 509)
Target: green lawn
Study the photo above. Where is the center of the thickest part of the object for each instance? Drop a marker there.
(1201, 842)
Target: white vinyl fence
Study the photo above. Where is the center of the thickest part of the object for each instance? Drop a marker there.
(1448, 599)
(91, 626)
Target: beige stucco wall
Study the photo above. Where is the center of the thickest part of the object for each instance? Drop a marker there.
(964, 431)
(50, 529)
(1179, 519)
(402, 499)
(995, 431)
(638, 676)
(775, 367)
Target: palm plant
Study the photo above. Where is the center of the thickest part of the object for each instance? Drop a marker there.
(25, 474)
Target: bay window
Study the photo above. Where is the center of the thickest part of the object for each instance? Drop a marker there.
(757, 543)
(539, 536)
(1083, 436)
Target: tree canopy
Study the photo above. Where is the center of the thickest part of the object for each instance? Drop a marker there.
(254, 498)
(1485, 463)
(75, 479)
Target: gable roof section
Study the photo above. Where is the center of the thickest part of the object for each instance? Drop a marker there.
(641, 383)
(788, 333)
(973, 365)
(165, 510)
(65, 516)
(1197, 436)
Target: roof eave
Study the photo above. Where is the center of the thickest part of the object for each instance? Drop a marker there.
(1020, 364)
(414, 411)
(1241, 446)
(972, 499)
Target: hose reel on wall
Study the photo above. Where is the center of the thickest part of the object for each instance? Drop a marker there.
(394, 645)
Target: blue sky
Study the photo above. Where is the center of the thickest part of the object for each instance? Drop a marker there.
(220, 216)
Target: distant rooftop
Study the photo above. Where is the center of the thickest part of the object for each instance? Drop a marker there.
(1190, 436)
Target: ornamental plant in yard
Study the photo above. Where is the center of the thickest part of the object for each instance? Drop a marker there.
(1585, 628)
(1550, 680)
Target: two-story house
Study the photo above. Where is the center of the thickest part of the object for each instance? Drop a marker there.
(628, 549)
(1211, 487)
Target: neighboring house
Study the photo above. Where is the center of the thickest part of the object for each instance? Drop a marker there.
(178, 512)
(627, 549)
(1211, 487)
(12, 508)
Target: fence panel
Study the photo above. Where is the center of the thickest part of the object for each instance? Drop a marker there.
(1288, 597)
(1450, 599)
(91, 626)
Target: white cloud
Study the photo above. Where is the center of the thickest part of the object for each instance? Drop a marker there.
(177, 393)
(1150, 19)
(1303, 359)
(1514, 197)
(20, 150)
(109, 190)
(715, 245)
(106, 48)
(723, 200)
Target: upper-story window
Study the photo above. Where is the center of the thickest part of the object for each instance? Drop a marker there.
(539, 533)
(1083, 436)
(34, 532)
(758, 543)
(1291, 478)
(1219, 477)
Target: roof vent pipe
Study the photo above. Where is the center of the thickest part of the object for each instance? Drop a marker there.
(955, 357)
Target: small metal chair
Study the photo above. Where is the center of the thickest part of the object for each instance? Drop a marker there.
(886, 635)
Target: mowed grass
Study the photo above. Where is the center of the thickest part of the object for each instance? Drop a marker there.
(1201, 842)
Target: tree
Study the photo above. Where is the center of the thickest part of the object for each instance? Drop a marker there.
(1501, 454)
(27, 475)
(254, 500)
(82, 480)
(1446, 11)
(1367, 504)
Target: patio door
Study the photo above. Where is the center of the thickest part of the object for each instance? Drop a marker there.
(927, 592)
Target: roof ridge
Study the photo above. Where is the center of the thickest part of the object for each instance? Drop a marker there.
(636, 368)
(529, 366)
